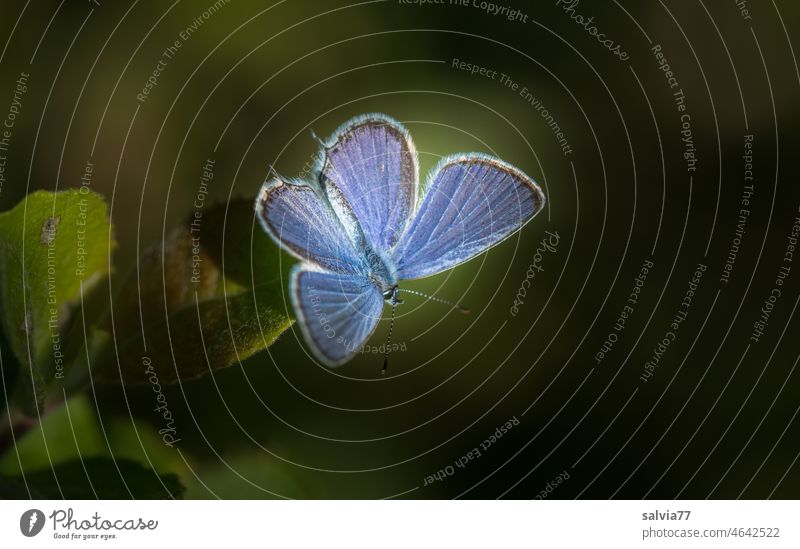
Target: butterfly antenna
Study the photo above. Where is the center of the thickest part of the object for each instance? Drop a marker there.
(457, 306)
(317, 139)
(388, 342)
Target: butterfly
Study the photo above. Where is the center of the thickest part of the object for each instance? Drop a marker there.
(364, 224)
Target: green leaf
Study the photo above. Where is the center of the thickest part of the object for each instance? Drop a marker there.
(95, 478)
(66, 432)
(137, 440)
(208, 296)
(53, 247)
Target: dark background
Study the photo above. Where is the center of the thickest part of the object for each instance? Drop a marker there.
(718, 417)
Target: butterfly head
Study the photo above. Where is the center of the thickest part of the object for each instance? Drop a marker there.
(390, 296)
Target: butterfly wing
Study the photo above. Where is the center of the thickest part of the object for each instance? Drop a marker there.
(299, 218)
(336, 304)
(370, 168)
(337, 312)
(472, 203)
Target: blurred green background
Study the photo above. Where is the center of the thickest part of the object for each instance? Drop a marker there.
(245, 89)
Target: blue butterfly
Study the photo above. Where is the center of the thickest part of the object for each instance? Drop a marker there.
(365, 224)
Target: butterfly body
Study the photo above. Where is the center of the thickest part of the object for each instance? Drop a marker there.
(382, 273)
(364, 224)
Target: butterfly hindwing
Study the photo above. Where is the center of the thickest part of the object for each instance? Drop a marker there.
(371, 163)
(471, 203)
(337, 312)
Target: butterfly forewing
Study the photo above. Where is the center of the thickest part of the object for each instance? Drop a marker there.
(471, 203)
(372, 164)
(304, 224)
